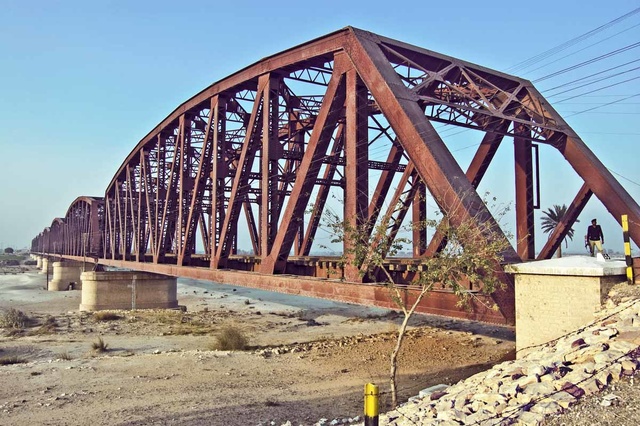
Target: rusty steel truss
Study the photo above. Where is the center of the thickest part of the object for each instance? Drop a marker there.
(253, 161)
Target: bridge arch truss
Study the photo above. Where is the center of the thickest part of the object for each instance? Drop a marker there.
(254, 160)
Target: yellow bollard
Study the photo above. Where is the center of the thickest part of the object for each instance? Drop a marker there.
(370, 405)
(627, 248)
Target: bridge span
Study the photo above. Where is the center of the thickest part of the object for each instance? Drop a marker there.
(251, 163)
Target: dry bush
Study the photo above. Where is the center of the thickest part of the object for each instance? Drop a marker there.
(15, 319)
(65, 356)
(105, 316)
(8, 360)
(48, 327)
(100, 345)
(230, 338)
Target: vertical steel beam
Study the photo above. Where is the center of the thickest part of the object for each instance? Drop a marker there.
(419, 217)
(356, 200)
(525, 226)
(181, 157)
(271, 152)
(218, 174)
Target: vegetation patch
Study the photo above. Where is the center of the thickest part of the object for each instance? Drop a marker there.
(48, 327)
(9, 360)
(230, 338)
(106, 316)
(14, 319)
(178, 322)
(100, 345)
(65, 356)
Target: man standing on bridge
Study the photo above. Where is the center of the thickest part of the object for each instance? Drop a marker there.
(595, 237)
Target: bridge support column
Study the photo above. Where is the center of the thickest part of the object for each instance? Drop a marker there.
(46, 266)
(39, 262)
(558, 296)
(127, 290)
(66, 275)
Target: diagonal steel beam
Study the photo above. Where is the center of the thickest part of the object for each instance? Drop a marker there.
(562, 229)
(434, 162)
(240, 181)
(328, 115)
(323, 193)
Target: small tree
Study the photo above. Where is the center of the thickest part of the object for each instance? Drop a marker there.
(8, 250)
(473, 253)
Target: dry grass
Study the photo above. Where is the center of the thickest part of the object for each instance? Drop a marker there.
(9, 360)
(14, 319)
(100, 345)
(177, 322)
(48, 327)
(230, 338)
(105, 316)
(65, 356)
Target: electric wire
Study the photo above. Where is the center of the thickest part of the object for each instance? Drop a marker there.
(563, 46)
(581, 50)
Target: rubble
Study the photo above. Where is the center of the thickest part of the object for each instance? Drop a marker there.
(544, 381)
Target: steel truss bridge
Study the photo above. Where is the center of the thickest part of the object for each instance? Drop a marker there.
(252, 162)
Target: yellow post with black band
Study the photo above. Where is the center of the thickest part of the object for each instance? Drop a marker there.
(627, 248)
(371, 405)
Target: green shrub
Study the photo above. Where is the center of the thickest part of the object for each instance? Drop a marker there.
(230, 338)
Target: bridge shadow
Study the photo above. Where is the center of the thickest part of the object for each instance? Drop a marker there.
(313, 308)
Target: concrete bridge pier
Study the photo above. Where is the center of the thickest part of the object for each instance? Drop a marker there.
(66, 275)
(127, 290)
(558, 296)
(47, 266)
(39, 262)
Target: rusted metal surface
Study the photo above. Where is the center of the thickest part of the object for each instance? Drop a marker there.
(341, 123)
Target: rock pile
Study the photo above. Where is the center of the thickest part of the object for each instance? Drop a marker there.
(545, 380)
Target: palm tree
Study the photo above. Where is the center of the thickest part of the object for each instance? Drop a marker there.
(552, 217)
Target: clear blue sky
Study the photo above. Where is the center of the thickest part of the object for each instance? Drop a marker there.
(81, 82)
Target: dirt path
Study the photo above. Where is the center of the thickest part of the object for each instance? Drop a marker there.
(308, 360)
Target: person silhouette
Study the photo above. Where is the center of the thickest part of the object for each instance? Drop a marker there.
(595, 237)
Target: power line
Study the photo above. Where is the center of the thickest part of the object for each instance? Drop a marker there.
(588, 62)
(602, 88)
(580, 50)
(603, 105)
(561, 47)
(593, 75)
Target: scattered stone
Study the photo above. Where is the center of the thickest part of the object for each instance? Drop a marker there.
(609, 400)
